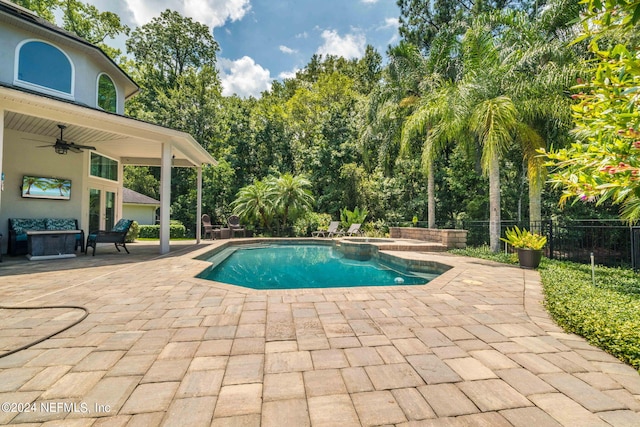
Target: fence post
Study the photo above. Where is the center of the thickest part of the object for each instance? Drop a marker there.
(635, 248)
(550, 222)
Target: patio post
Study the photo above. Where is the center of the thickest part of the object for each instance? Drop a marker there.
(1, 161)
(165, 196)
(199, 205)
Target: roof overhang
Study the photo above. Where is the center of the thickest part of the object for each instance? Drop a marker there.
(26, 19)
(134, 142)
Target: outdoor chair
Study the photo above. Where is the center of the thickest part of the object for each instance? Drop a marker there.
(117, 236)
(353, 230)
(330, 232)
(234, 224)
(207, 228)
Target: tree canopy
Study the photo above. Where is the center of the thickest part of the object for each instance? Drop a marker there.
(431, 129)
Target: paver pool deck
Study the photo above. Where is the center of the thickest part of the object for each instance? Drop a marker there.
(474, 347)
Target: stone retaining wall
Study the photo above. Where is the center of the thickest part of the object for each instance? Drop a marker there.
(452, 239)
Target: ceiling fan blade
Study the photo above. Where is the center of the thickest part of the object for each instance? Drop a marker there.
(74, 148)
(43, 146)
(86, 147)
(32, 139)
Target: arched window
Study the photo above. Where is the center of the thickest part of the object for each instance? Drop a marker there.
(45, 66)
(107, 95)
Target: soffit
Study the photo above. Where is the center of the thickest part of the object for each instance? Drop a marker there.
(132, 141)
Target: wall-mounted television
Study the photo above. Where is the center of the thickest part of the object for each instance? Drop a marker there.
(39, 187)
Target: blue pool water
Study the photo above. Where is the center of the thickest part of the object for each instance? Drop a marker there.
(302, 266)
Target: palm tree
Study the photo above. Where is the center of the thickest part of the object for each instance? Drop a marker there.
(291, 195)
(28, 182)
(254, 202)
(494, 101)
(437, 123)
(494, 121)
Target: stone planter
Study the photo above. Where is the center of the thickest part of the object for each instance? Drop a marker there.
(529, 258)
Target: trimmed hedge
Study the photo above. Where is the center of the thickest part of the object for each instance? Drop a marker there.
(607, 314)
(176, 231)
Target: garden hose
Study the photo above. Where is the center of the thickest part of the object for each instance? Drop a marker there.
(38, 341)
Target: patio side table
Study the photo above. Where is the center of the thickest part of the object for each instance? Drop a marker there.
(50, 244)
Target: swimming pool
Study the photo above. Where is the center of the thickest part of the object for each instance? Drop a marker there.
(293, 266)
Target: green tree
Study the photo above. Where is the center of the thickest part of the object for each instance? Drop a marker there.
(422, 22)
(604, 163)
(43, 8)
(89, 23)
(169, 45)
(83, 19)
(143, 180)
(291, 196)
(477, 106)
(255, 202)
(321, 126)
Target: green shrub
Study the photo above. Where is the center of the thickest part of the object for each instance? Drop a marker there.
(311, 222)
(176, 231)
(357, 216)
(607, 314)
(378, 228)
(132, 235)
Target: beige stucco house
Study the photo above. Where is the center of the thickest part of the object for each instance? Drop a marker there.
(139, 207)
(51, 78)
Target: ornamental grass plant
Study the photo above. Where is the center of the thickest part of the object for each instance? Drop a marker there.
(524, 239)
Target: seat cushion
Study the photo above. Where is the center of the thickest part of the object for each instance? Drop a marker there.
(122, 225)
(20, 225)
(60, 224)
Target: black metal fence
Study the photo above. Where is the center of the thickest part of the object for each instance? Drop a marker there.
(611, 242)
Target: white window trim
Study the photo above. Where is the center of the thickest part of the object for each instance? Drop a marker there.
(99, 177)
(37, 87)
(98, 93)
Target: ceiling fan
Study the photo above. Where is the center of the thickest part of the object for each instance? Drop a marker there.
(62, 147)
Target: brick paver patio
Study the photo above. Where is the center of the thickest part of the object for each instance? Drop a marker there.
(161, 347)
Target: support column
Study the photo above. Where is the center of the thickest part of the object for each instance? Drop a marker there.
(199, 205)
(1, 155)
(6, 234)
(165, 197)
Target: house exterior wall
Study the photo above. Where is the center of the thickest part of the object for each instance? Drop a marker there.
(143, 214)
(27, 159)
(86, 68)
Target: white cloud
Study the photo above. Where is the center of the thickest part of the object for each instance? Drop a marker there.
(243, 77)
(369, 1)
(213, 13)
(302, 35)
(287, 50)
(288, 74)
(389, 23)
(350, 46)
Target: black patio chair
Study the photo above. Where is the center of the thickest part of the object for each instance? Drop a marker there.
(117, 236)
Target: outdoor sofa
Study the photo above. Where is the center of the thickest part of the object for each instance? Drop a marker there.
(18, 227)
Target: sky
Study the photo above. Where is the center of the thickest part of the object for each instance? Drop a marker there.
(265, 40)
